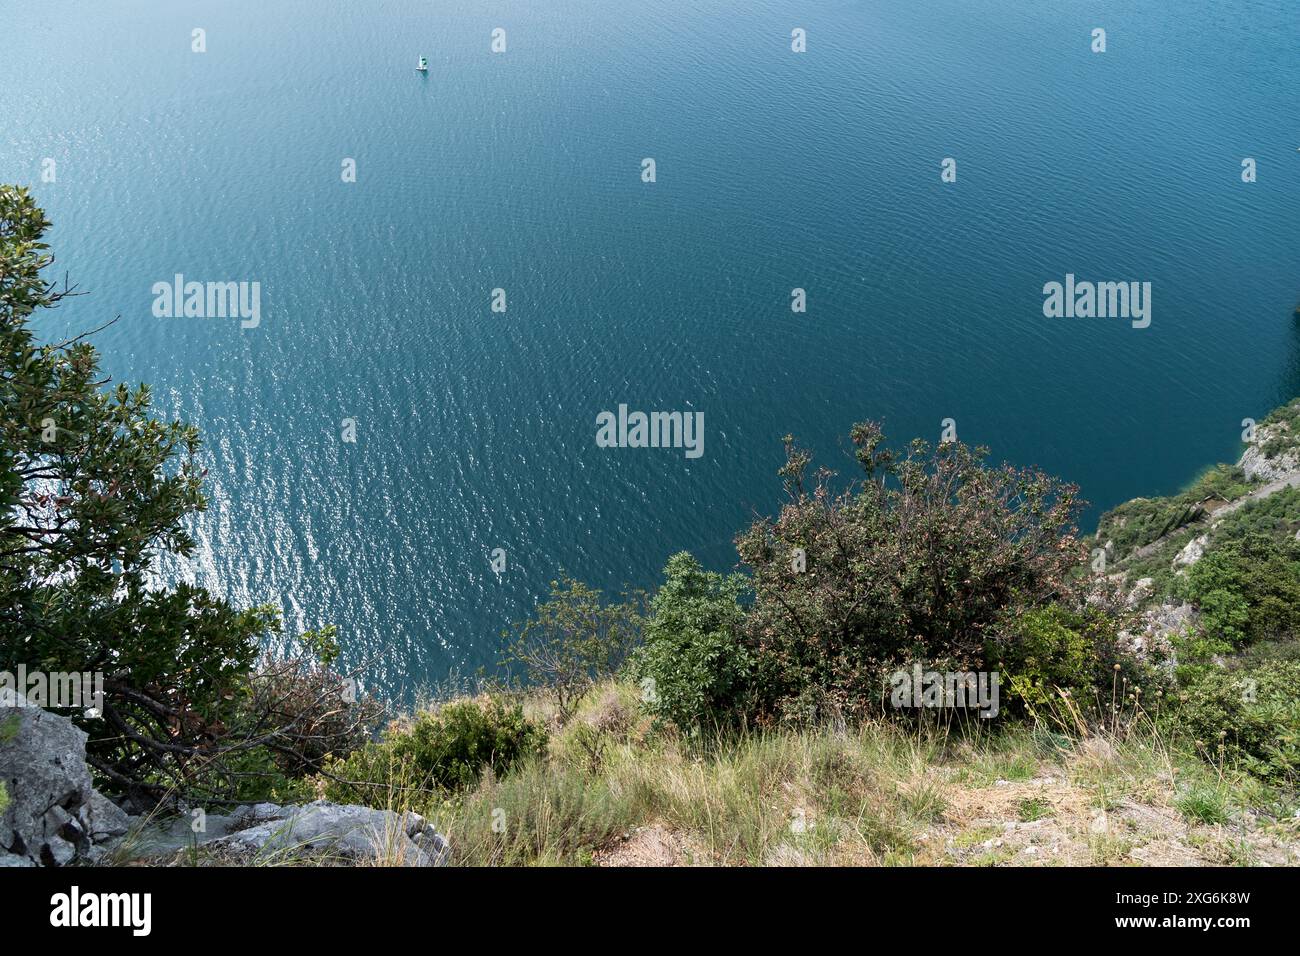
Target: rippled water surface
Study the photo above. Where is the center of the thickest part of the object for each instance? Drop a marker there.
(520, 171)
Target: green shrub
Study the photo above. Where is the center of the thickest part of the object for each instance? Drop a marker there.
(1033, 809)
(440, 750)
(1264, 651)
(253, 776)
(1196, 651)
(1204, 804)
(922, 560)
(1284, 423)
(1248, 589)
(694, 667)
(1225, 616)
(1052, 648)
(1248, 716)
(537, 816)
(1276, 515)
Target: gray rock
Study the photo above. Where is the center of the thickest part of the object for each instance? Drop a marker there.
(318, 832)
(167, 836)
(329, 832)
(435, 847)
(1258, 467)
(63, 824)
(43, 766)
(1155, 629)
(1192, 552)
(104, 819)
(55, 816)
(257, 813)
(1142, 590)
(58, 851)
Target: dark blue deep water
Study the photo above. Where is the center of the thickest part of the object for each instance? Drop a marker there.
(521, 171)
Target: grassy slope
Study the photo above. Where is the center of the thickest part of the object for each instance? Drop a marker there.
(875, 795)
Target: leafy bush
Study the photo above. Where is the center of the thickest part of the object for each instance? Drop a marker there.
(609, 718)
(1196, 650)
(309, 709)
(444, 749)
(1282, 428)
(1204, 805)
(1248, 716)
(694, 666)
(1051, 648)
(922, 561)
(1248, 589)
(1276, 515)
(541, 815)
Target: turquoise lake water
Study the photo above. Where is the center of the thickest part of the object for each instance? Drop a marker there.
(522, 171)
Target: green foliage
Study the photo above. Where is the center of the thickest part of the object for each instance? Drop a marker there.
(1143, 521)
(694, 667)
(549, 816)
(1048, 649)
(607, 720)
(255, 775)
(322, 644)
(1277, 515)
(1204, 804)
(1248, 589)
(444, 749)
(94, 490)
(4, 797)
(1248, 716)
(1196, 650)
(1283, 424)
(573, 640)
(923, 560)
(1269, 651)
(1225, 616)
(1032, 809)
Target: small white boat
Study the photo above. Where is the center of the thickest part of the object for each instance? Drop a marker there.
(424, 65)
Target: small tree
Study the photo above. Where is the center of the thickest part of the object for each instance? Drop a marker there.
(919, 561)
(573, 640)
(695, 668)
(94, 490)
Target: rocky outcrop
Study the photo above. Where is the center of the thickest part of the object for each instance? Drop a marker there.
(324, 832)
(1192, 552)
(1142, 591)
(54, 815)
(317, 833)
(1151, 638)
(1259, 467)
